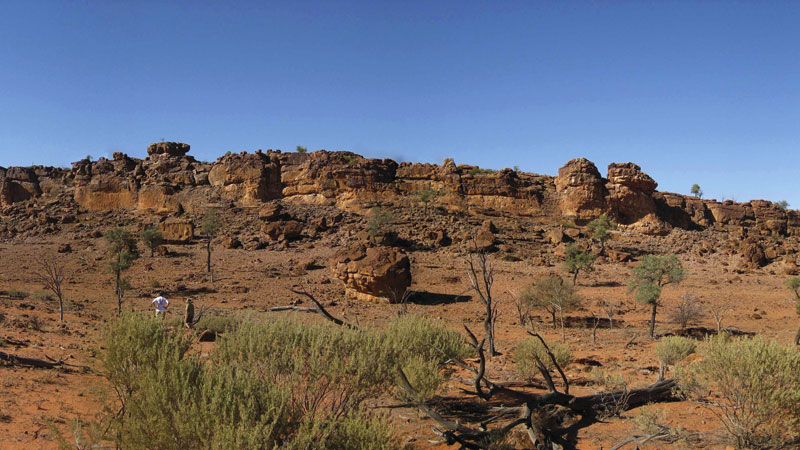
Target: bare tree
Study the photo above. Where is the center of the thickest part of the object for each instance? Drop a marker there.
(719, 312)
(610, 308)
(688, 311)
(52, 275)
(481, 278)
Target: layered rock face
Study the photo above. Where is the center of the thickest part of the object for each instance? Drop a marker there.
(169, 180)
(375, 274)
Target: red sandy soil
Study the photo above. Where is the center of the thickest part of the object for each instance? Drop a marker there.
(34, 402)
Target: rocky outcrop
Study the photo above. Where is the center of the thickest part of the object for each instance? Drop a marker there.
(248, 178)
(169, 181)
(581, 189)
(630, 193)
(375, 274)
(171, 149)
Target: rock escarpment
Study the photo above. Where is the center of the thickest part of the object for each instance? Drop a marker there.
(170, 181)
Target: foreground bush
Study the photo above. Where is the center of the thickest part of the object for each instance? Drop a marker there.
(756, 389)
(274, 384)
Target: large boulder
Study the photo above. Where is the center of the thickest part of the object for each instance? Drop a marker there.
(582, 192)
(753, 255)
(176, 231)
(283, 230)
(376, 274)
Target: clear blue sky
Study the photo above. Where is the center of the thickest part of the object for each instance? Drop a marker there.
(694, 92)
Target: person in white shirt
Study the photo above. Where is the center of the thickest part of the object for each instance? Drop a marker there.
(161, 305)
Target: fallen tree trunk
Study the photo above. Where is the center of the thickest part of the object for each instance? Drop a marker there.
(16, 360)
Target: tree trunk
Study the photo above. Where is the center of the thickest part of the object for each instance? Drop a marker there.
(797, 338)
(487, 327)
(575, 277)
(60, 308)
(119, 297)
(208, 259)
(653, 320)
(553, 313)
(563, 331)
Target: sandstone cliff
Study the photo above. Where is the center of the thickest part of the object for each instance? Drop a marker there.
(169, 180)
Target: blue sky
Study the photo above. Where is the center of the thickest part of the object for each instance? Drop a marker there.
(694, 92)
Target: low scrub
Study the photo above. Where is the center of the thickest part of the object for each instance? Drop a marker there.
(275, 384)
(754, 387)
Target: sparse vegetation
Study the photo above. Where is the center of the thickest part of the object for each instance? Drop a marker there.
(696, 191)
(481, 279)
(754, 387)
(530, 352)
(671, 350)
(554, 296)
(210, 227)
(794, 285)
(301, 149)
(152, 239)
(649, 278)
(576, 261)
(782, 205)
(600, 229)
(688, 311)
(426, 196)
(379, 224)
(122, 252)
(52, 275)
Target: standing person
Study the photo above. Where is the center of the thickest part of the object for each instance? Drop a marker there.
(161, 305)
(188, 318)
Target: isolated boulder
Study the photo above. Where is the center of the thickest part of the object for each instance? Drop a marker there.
(375, 274)
(753, 255)
(176, 231)
(283, 230)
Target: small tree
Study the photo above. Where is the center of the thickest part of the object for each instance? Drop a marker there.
(379, 223)
(600, 228)
(426, 196)
(121, 252)
(782, 205)
(52, 275)
(794, 285)
(301, 149)
(576, 260)
(554, 296)
(152, 239)
(210, 227)
(650, 276)
(481, 279)
(696, 191)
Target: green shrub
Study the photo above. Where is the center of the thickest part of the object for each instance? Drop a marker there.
(256, 392)
(756, 389)
(525, 363)
(17, 294)
(674, 349)
(217, 324)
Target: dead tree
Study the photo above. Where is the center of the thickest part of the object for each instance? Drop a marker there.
(481, 278)
(551, 420)
(52, 275)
